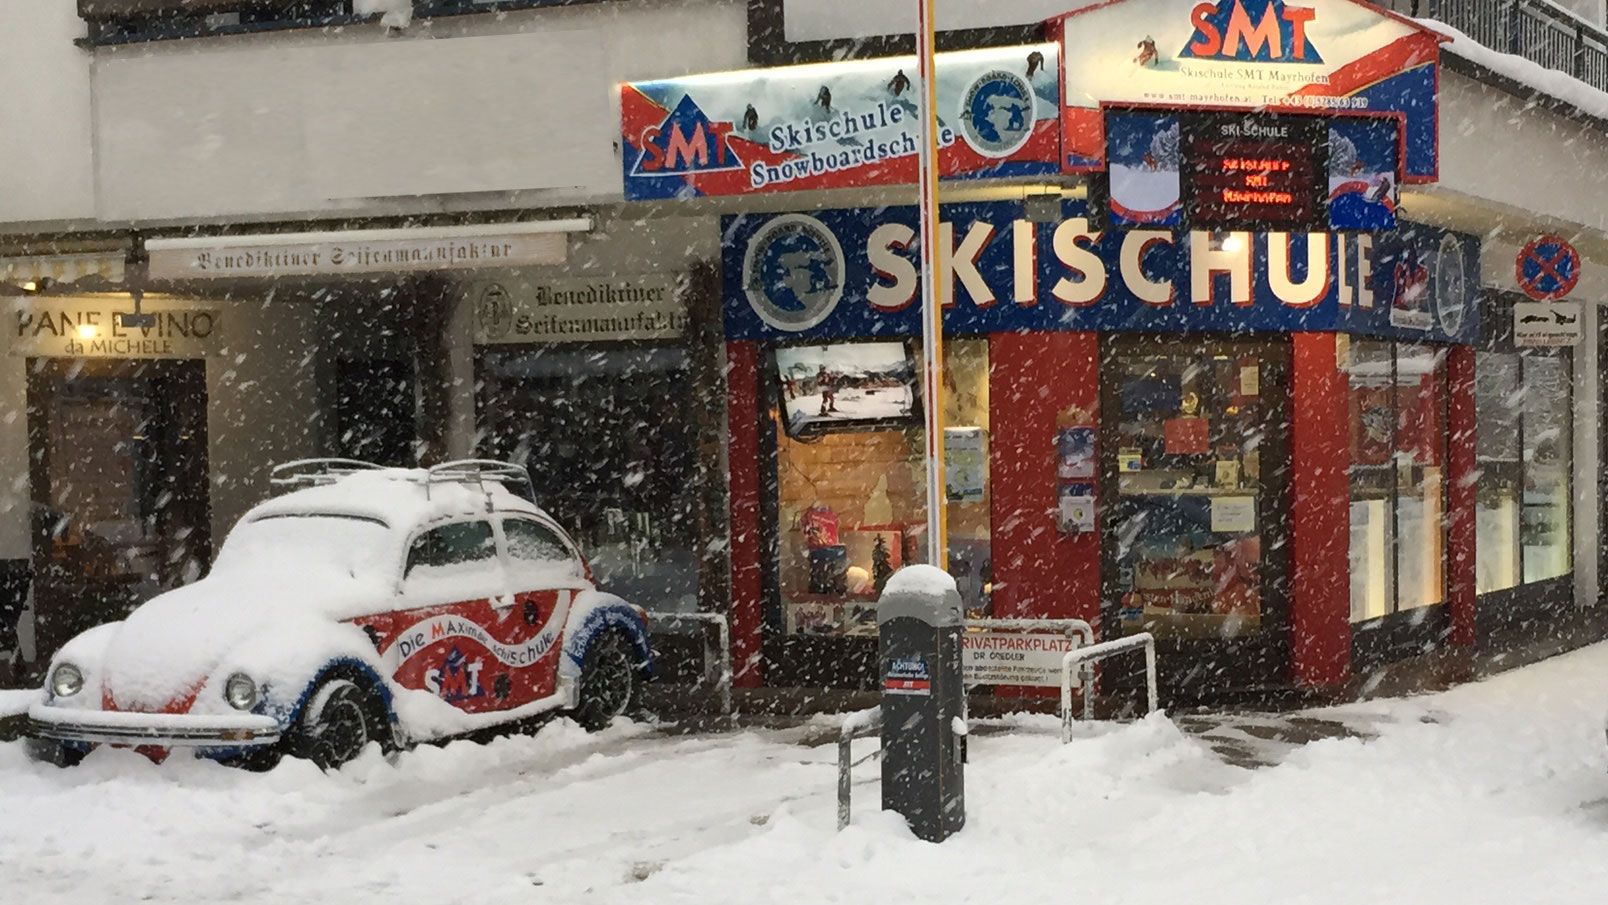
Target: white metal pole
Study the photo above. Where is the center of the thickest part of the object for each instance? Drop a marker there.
(932, 327)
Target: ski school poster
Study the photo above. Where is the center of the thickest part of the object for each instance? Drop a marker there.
(1030, 110)
(841, 125)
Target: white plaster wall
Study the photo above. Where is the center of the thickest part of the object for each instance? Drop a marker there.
(519, 109)
(820, 20)
(1503, 150)
(46, 163)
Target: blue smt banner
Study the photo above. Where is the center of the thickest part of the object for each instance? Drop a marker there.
(834, 274)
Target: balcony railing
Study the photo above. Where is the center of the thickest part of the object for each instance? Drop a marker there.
(1537, 30)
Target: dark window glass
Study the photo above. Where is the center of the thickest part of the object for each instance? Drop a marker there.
(462, 544)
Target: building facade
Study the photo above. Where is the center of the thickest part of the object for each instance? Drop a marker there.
(1304, 459)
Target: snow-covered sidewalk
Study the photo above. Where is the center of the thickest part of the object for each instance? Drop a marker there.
(1489, 793)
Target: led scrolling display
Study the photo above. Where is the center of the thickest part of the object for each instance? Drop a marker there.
(1262, 171)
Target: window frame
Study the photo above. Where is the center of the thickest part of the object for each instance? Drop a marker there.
(498, 557)
(1395, 609)
(1496, 336)
(582, 568)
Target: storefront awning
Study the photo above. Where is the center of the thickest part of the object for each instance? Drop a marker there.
(38, 270)
(364, 251)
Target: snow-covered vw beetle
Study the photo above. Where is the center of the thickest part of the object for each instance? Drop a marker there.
(367, 605)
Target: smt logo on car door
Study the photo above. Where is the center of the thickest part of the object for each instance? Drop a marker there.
(467, 632)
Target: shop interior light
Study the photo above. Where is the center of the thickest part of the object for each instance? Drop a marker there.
(1233, 243)
(30, 286)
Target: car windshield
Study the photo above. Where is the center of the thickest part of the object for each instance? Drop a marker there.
(318, 543)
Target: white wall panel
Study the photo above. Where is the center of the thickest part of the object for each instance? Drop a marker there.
(823, 20)
(46, 169)
(472, 109)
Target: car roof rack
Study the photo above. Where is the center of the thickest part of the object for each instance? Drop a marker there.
(314, 472)
(479, 471)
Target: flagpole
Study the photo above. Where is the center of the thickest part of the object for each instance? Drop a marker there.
(932, 327)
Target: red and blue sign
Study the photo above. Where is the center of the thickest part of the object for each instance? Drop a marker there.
(1318, 56)
(847, 273)
(1251, 31)
(840, 125)
(1548, 268)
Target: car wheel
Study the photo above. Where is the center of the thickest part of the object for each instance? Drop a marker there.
(608, 682)
(337, 724)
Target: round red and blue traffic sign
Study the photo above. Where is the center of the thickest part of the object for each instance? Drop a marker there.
(1548, 268)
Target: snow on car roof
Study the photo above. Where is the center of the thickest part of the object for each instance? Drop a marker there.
(399, 497)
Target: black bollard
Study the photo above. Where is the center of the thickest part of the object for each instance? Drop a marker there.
(923, 702)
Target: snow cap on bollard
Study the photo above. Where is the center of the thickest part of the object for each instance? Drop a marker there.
(922, 592)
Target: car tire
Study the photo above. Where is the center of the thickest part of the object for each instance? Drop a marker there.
(340, 720)
(610, 682)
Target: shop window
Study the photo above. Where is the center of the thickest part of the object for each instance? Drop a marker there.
(1498, 405)
(1397, 414)
(1372, 442)
(609, 433)
(1544, 525)
(1523, 412)
(851, 478)
(1190, 429)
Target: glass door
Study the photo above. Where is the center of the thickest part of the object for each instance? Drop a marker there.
(1195, 458)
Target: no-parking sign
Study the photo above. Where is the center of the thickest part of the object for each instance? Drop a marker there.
(1548, 268)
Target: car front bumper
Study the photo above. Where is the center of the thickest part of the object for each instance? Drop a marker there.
(169, 730)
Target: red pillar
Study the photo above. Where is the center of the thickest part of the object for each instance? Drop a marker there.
(1033, 379)
(1320, 591)
(747, 602)
(1461, 488)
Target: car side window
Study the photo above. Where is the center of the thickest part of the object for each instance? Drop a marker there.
(534, 547)
(450, 548)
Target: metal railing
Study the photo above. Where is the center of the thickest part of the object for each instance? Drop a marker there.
(858, 725)
(716, 655)
(1538, 30)
(1085, 657)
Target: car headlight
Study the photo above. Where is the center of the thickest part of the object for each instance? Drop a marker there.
(240, 691)
(66, 680)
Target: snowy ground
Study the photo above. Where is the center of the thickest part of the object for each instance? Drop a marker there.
(1491, 793)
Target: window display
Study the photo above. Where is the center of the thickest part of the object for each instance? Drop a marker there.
(1498, 403)
(847, 387)
(609, 432)
(1544, 524)
(1189, 433)
(852, 508)
(1397, 413)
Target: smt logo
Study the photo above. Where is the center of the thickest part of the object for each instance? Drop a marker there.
(686, 143)
(998, 113)
(793, 272)
(1252, 31)
(456, 679)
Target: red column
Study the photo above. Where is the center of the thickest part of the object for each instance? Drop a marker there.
(1462, 485)
(1033, 379)
(747, 601)
(1320, 592)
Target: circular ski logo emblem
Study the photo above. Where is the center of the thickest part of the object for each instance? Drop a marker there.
(494, 313)
(793, 272)
(998, 113)
(1452, 288)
